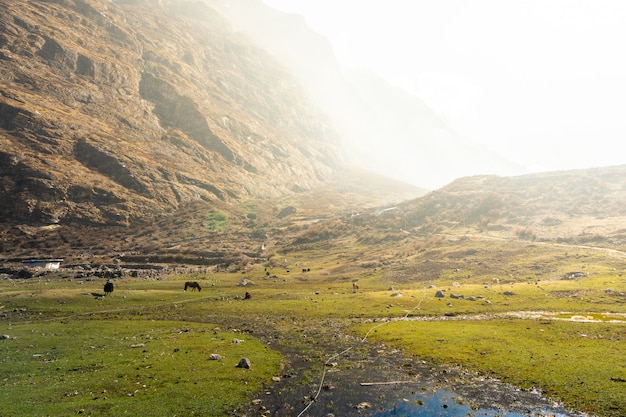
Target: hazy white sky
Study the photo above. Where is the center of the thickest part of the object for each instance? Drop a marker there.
(541, 82)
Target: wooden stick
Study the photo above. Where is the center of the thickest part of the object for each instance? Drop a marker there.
(368, 384)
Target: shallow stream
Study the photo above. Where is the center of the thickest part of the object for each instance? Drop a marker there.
(367, 379)
(448, 404)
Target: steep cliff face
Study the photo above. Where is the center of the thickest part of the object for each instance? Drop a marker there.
(112, 111)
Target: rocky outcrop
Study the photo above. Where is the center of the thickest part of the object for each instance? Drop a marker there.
(180, 112)
(109, 165)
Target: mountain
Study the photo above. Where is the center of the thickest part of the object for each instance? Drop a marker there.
(154, 127)
(113, 112)
(157, 130)
(382, 127)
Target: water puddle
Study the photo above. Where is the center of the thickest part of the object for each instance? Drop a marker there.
(448, 404)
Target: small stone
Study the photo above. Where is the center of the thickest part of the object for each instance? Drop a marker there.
(215, 357)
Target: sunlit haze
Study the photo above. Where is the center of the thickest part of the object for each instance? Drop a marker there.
(542, 83)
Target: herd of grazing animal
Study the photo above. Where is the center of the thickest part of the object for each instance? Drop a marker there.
(108, 286)
(108, 289)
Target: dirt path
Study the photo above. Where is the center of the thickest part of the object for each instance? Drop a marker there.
(609, 318)
(610, 251)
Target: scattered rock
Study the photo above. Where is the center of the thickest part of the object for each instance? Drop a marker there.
(287, 211)
(439, 294)
(4, 337)
(364, 405)
(237, 341)
(215, 357)
(574, 275)
(508, 293)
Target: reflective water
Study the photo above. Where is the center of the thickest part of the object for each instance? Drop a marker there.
(448, 404)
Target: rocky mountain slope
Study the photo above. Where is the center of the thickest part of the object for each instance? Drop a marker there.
(578, 206)
(113, 111)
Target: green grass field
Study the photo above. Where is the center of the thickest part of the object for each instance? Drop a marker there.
(145, 349)
(128, 367)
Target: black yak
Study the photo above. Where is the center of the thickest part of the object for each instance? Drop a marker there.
(193, 285)
(108, 288)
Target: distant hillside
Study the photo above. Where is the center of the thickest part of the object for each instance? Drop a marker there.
(112, 112)
(580, 205)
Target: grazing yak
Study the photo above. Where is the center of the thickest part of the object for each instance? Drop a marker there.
(108, 288)
(193, 285)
